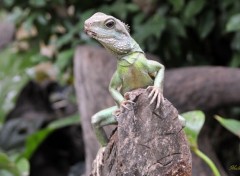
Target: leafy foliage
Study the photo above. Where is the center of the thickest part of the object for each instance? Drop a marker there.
(231, 124)
(17, 163)
(233, 23)
(37, 138)
(15, 166)
(13, 76)
(194, 123)
(181, 32)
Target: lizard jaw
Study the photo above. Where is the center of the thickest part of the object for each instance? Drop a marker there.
(90, 33)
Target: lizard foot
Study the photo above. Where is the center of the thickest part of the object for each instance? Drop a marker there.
(125, 104)
(117, 113)
(156, 94)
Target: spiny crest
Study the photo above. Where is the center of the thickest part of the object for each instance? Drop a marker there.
(126, 26)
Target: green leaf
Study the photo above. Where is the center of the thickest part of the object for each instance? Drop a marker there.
(37, 3)
(235, 45)
(67, 38)
(235, 61)
(175, 25)
(42, 19)
(233, 23)
(151, 28)
(34, 140)
(132, 7)
(120, 8)
(23, 166)
(71, 120)
(28, 23)
(177, 4)
(230, 124)
(37, 58)
(206, 24)
(8, 2)
(63, 40)
(193, 8)
(13, 77)
(64, 58)
(194, 123)
(18, 15)
(7, 164)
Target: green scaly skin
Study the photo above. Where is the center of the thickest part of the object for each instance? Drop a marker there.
(134, 70)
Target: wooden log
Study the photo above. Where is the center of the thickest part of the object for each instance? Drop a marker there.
(148, 141)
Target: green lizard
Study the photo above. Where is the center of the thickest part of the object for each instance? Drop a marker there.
(134, 70)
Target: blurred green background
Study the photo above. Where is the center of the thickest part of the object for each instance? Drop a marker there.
(180, 32)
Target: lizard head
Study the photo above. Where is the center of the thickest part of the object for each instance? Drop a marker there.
(111, 33)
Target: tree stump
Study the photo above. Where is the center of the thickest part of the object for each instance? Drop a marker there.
(147, 142)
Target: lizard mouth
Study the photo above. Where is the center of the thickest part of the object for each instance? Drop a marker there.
(90, 33)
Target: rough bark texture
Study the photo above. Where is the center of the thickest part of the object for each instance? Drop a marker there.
(148, 141)
(187, 88)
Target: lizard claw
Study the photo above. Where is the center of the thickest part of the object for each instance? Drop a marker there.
(156, 94)
(117, 112)
(127, 96)
(124, 103)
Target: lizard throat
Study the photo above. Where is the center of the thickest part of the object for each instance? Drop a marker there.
(126, 52)
(129, 60)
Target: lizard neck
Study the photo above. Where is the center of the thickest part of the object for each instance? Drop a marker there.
(135, 48)
(129, 59)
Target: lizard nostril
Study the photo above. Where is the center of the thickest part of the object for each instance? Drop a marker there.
(87, 23)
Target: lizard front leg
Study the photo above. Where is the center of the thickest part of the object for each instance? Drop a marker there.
(114, 85)
(156, 94)
(157, 89)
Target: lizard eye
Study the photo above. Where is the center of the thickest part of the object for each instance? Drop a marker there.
(110, 23)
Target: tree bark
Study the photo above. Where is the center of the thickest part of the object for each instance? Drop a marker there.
(148, 141)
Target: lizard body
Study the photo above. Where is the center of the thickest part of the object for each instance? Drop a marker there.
(134, 70)
(128, 72)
